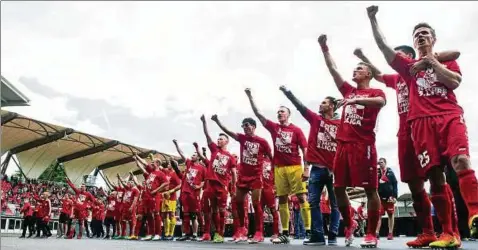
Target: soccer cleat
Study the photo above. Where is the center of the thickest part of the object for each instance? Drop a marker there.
(183, 238)
(315, 240)
(258, 237)
(283, 239)
(422, 240)
(133, 237)
(147, 238)
(473, 224)
(332, 239)
(390, 236)
(370, 241)
(273, 237)
(205, 237)
(156, 238)
(445, 241)
(218, 238)
(349, 233)
(241, 235)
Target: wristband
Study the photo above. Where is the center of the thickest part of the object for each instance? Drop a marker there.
(324, 48)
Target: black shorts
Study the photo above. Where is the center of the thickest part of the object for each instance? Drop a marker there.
(109, 221)
(64, 218)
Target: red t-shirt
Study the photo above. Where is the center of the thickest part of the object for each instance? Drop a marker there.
(267, 174)
(428, 97)
(66, 206)
(396, 82)
(155, 180)
(194, 175)
(220, 165)
(322, 139)
(358, 122)
(253, 149)
(119, 197)
(174, 181)
(129, 196)
(111, 206)
(287, 140)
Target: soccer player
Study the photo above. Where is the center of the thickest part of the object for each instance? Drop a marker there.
(192, 183)
(65, 220)
(253, 150)
(28, 220)
(437, 124)
(130, 201)
(155, 183)
(80, 206)
(321, 148)
(222, 167)
(388, 192)
(169, 201)
(410, 169)
(355, 162)
(289, 176)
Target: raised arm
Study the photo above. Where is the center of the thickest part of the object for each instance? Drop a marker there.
(298, 104)
(180, 152)
(223, 128)
(259, 116)
(135, 180)
(206, 131)
(449, 55)
(196, 147)
(71, 185)
(108, 181)
(175, 166)
(377, 74)
(338, 79)
(387, 51)
(140, 164)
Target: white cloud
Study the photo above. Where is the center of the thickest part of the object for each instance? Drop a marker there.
(193, 58)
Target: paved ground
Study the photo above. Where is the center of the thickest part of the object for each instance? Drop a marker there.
(13, 243)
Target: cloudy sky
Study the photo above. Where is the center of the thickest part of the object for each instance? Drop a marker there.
(143, 73)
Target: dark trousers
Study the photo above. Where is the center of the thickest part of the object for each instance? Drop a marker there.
(28, 222)
(110, 221)
(42, 227)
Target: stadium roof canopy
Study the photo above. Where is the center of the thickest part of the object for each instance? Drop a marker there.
(38, 144)
(11, 96)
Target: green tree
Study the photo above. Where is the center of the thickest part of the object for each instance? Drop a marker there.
(54, 174)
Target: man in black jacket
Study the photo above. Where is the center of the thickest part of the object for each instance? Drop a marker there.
(387, 190)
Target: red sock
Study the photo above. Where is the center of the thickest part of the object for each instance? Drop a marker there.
(123, 228)
(423, 207)
(157, 225)
(118, 228)
(150, 220)
(235, 224)
(80, 233)
(372, 220)
(454, 217)
(240, 212)
(222, 222)
(137, 227)
(186, 225)
(217, 223)
(207, 223)
(201, 221)
(132, 224)
(442, 205)
(275, 222)
(469, 190)
(258, 216)
(346, 215)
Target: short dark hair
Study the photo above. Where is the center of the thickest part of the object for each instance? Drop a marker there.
(288, 109)
(250, 121)
(381, 158)
(424, 25)
(333, 100)
(407, 49)
(223, 134)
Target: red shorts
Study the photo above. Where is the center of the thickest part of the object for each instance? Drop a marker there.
(190, 202)
(409, 167)
(152, 205)
(80, 215)
(216, 193)
(140, 208)
(438, 137)
(249, 184)
(355, 165)
(268, 198)
(129, 215)
(388, 207)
